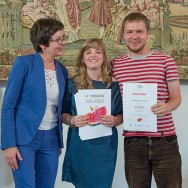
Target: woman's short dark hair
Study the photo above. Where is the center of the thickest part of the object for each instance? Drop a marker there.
(42, 30)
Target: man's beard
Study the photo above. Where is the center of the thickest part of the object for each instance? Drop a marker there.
(137, 50)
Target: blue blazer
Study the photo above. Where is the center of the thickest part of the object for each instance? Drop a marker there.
(24, 102)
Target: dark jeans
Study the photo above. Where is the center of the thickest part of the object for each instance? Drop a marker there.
(146, 155)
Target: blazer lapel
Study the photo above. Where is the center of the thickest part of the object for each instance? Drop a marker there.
(61, 81)
(41, 82)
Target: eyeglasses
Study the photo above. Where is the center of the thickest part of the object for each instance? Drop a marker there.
(60, 40)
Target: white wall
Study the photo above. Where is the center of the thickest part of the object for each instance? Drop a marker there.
(181, 121)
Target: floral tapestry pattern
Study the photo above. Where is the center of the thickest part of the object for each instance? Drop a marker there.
(99, 18)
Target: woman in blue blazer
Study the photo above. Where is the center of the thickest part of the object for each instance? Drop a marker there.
(32, 106)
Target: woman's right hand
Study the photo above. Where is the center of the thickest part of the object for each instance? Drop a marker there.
(79, 120)
(10, 155)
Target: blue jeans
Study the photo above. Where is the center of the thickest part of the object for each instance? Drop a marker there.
(147, 155)
(40, 161)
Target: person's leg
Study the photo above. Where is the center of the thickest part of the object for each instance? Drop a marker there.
(24, 177)
(46, 161)
(167, 163)
(138, 169)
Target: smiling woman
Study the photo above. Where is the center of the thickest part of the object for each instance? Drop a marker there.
(85, 163)
(93, 58)
(31, 130)
(92, 46)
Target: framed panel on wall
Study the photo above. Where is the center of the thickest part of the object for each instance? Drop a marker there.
(82, 20)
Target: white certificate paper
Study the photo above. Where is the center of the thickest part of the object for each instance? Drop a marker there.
(137, 101)
(93, 102)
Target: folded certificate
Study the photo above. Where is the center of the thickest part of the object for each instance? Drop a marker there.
(137, 101)
(94, 103)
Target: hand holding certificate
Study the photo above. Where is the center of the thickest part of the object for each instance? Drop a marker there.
(137, 101)
(94, 103)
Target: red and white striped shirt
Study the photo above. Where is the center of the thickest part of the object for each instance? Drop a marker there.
(155, 67)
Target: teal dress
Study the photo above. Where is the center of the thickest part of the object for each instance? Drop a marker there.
(90, 163)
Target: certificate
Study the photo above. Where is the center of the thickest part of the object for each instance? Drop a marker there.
(137, 101)
(94, 103)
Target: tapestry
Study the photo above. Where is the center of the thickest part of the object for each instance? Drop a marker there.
(93, 18)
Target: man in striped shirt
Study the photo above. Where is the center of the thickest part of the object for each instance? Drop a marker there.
(150, 152)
